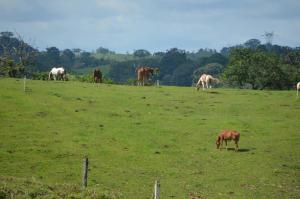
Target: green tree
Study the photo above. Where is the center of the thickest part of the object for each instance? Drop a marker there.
(141, 53)
(52, 56)
(67, 58)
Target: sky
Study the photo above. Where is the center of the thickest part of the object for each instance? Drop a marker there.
(155, 25)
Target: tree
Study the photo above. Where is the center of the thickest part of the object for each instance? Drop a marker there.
(182, 75)
(52, 56)
(15, 54)
(141, 53)
(236, 72)
(259, 69)
(102, 50)
(252, 43)
(67, 58)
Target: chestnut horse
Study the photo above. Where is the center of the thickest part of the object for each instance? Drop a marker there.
(143, 74)
(228, 135)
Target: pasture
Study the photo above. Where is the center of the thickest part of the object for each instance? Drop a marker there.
(135, 135)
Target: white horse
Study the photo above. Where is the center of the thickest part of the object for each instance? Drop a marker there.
(206, 81)
(201, 81)
(298, 88)
(57, 73)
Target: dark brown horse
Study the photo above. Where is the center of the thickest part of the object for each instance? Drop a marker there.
(228, 135)
(97, 76)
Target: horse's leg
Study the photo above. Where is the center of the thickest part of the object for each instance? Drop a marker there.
(221, 144)
(236, 145)
(226, 144)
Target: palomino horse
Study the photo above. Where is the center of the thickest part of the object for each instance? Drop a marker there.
(228, 136)
(298, 88)
(206, 81)
(97, 76)
(201, 81)
(57, 73)
(143, 74)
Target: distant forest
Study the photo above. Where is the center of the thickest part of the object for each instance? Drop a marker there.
(248, 65)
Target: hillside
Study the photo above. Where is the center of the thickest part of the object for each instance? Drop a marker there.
(134, 135)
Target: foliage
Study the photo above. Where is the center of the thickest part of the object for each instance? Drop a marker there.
(260, 69)
(40, 75)
(141, 53)
(177, 66)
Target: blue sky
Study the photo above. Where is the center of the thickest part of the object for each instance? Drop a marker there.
(154, 25)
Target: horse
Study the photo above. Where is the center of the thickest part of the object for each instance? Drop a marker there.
(201, 81)
(143, 74)
(209, 80)
(298, 88)
(97, 77)
(57, 73)
(228, 135)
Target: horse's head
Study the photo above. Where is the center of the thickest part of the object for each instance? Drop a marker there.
(156, 70)
(151, 70)
(218, 142)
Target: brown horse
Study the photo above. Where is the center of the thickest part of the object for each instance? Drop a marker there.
(228, 135)
(143, 74)
(97, 76)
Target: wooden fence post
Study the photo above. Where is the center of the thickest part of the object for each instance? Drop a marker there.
(24, 83)
(156, 194)
(85, 171)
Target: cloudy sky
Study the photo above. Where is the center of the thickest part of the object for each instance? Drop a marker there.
(154, 25)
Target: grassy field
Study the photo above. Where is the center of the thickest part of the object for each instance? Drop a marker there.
(135, 135)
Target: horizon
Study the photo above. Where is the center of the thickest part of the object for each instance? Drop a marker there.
(156, 26)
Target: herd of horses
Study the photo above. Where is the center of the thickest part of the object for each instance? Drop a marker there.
(143, 75)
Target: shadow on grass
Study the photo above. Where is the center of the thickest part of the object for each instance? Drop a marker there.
(240, 150)
(213, 92)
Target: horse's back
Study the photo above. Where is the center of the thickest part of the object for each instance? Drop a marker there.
(230, 134)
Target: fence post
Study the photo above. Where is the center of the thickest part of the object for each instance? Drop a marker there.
(156, 194)
(85, 171)
(24, 83)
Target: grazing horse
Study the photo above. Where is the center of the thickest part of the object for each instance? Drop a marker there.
(228, 136)
(143, 74)
(298, 88)
(57, 73)
(209, 80)
(201, 81)
(97, 76)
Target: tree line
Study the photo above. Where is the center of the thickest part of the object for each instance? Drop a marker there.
(249, 65)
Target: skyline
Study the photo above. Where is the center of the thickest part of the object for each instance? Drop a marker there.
(125, 26)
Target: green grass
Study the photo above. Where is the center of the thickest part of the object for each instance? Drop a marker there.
(134, 135)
